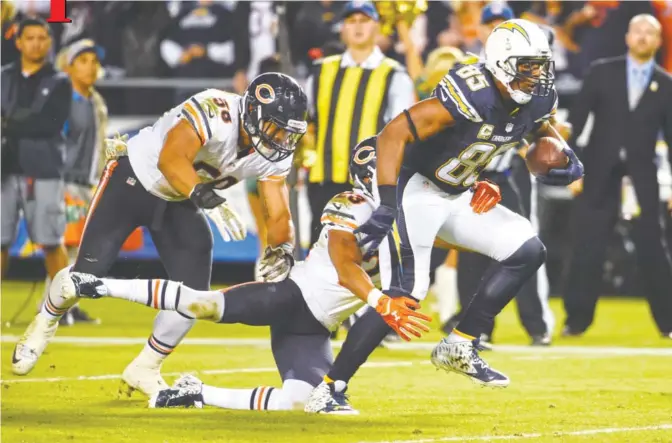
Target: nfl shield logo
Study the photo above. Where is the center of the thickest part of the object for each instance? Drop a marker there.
(509, 127)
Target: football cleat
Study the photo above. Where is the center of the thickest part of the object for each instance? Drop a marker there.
(541, 340)
(32, 344)
(330, 398)
(462, 357)
(142, 375)
(79, 284)
(186, 392)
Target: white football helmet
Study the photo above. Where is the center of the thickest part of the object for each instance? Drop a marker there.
(518, 51)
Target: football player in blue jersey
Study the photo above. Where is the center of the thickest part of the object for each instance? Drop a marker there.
(430, 157)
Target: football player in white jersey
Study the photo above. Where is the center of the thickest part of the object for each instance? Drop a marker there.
(321, 292)
(165, 178)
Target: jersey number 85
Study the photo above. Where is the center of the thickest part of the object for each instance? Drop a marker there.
(463, 170)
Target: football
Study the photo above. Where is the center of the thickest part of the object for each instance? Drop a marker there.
(544, 155)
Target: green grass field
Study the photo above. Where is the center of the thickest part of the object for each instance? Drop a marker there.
(576, 391)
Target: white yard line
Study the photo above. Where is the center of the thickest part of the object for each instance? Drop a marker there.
(660, 427)
(380, 364)
(413, 346)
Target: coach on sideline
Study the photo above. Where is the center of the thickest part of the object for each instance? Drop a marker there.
(631, 100)
(350, 97)
(35, 104)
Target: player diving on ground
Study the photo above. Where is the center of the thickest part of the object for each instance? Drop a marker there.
(332, 283)
(431, 154)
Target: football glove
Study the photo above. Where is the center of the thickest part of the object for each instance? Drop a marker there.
(380, 223)
(566, 176)
(400, 314)
(116, 147)
(486, 196)
(228, 222)
(276, 263)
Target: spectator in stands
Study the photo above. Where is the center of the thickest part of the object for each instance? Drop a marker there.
(317, 23)
(598, 28)
(263, 32)
(85, 134)
(9, 52)
(630, 99)
(443, 26)
(209, 40)
(35, 104)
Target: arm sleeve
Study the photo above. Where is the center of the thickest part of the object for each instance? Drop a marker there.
(456, 97)
(49, 122)
(400, 96)
(587, 101)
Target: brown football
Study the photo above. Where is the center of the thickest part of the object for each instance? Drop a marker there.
(544, 155)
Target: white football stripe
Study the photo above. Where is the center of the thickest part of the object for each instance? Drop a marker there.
(660, 427)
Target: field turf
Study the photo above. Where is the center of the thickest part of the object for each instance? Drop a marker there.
(612, 385)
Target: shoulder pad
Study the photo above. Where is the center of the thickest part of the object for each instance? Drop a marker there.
(345, 211)
(466, 92)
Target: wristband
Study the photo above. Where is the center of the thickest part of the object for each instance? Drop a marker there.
(374, 296)
(388, 195)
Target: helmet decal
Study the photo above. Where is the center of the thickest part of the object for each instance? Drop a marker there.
(513, 27)
(265, 93)
(364, 154)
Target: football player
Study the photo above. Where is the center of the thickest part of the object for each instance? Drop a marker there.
(430, 156)
(332, 283)
(165, 178)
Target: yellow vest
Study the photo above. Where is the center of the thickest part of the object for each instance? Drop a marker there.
(350, 104)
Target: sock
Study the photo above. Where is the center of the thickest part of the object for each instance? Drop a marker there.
(457, 337)
(169, 295)
(54, 305)
(169, 329)
(445, 290)
(501, 283)
(263, 398)
(362, 339)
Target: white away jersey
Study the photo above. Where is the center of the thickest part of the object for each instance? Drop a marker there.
(215, 117)
(330, 302)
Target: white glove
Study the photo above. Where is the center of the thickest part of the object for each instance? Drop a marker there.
(228, 222)
(276, 263)
(116, 147)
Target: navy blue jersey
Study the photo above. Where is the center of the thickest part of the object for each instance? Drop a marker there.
(484, 128)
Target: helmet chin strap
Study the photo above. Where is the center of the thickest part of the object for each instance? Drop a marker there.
(517, 95)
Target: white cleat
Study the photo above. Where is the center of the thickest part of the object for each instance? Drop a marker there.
(142, 376)
(330, 398)
(31, 346)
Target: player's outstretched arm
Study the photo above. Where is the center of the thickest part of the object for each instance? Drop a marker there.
(420, 121)
(278, 257)
(176, 160)
(399, 313)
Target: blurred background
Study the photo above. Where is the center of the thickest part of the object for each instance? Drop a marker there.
(153, 54)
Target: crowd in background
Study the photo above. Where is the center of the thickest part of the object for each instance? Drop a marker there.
(228, 39)
(236, 40)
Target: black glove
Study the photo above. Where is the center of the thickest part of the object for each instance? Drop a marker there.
(205, 197)
(565, 176)
(380, 224)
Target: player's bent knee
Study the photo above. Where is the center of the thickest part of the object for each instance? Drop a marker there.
(532, 253)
